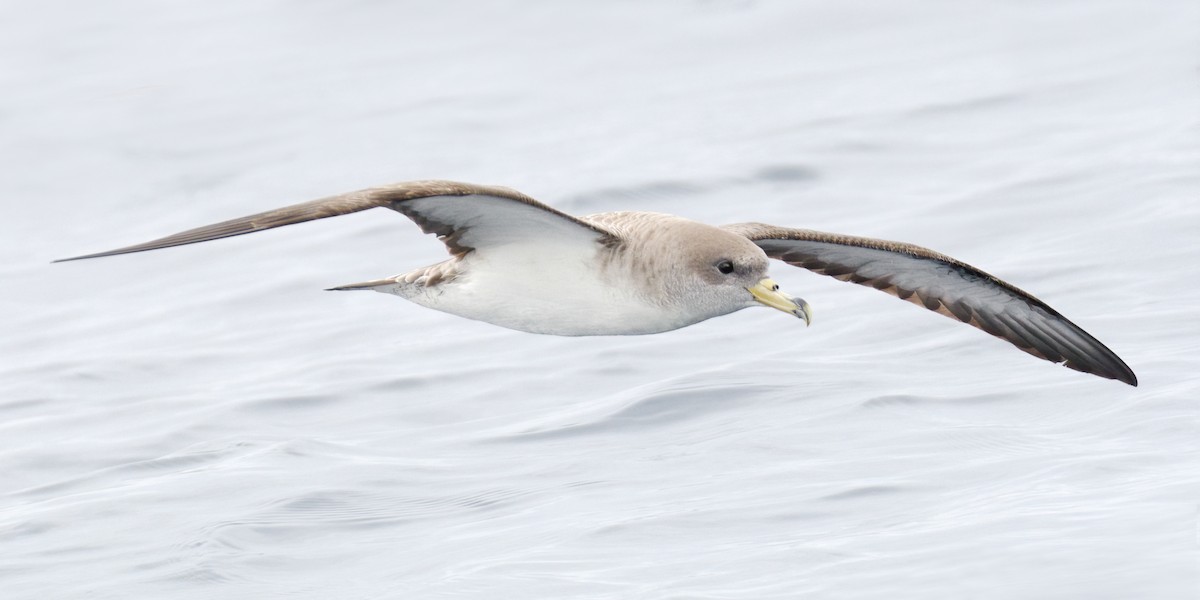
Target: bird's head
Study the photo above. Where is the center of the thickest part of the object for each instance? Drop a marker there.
(725, 272)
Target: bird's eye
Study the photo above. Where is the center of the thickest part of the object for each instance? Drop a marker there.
(725, 267)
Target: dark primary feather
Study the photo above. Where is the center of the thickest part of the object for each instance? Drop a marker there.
(945, 285)
(398, 197)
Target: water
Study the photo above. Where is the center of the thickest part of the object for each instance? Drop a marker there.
(206, 422)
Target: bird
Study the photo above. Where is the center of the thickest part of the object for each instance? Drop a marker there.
(521, 264)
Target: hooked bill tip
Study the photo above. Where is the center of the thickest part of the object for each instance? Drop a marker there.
(803, 311)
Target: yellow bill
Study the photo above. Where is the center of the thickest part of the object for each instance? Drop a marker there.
(767, 292)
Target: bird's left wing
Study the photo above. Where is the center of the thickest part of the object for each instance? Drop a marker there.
(945, 285)
(464, 216)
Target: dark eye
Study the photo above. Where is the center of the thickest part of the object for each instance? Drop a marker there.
(725, 267)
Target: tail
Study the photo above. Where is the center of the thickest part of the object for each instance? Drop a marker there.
(366, 285)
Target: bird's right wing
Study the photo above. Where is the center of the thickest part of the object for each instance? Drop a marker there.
(944, 285)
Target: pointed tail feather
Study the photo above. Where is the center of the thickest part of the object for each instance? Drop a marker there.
(366, 285)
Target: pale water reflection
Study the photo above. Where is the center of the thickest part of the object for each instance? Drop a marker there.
(207, 422)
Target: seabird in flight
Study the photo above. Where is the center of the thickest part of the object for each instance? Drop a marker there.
(520, 264)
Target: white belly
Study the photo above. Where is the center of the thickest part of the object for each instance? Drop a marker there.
(558, 290)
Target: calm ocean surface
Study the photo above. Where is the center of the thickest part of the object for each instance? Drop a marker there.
(206, 422)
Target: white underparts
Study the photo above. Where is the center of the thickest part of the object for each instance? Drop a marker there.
(563, 288)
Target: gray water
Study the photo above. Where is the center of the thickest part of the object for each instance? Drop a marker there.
(206, 422)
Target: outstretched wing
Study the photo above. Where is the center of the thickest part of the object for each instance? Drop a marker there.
(464, 216)
(945, 285)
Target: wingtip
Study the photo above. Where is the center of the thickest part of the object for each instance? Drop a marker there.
(1116, 370)
(1120, 372)
(1128, 378)
(63, 260)
(116, 252)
